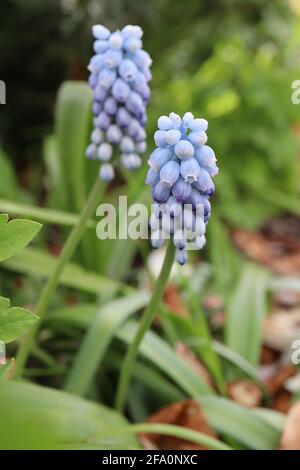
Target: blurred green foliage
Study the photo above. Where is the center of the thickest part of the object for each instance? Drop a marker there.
(230, 61)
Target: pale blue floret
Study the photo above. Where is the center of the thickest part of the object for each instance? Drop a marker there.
(100, 32)
(142, 59)
(123, 117)
(112, 58)
(184, 149)
(173, 136)
(199, 125)
(204, 183)
(169, 173)
(181, 190)
(107, 78)
(131, 31)
(106, 172)
(152, 177)
(190, 170)
(132, 44)
(159, 157)
(128, 70)
(91, 151)
(197, 137)
(127, 145)
(103, 121)
(160, 138)
(100, 46)
(164, 123)
(120, 90)
(110, 106)
(104, 152)
(95, 63)
(141, 147)
(179, 239)
(176, 119)
(156, 239)
(97, 136)
(100, 93)
(181, 256)
(161, 192)
(114, 134)
(134, 104)
(115, 40)
(131, 161)
(206, 156)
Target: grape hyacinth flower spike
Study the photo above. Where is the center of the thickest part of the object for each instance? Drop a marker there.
(119, 76)
(180, 175)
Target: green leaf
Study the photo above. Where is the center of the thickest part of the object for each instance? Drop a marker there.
(98, 337)
(34, 417)
(4, 303)
(154, 349)
(240, 362)
(16, 234)
(42, 214)
(8, 181)
(4, 369)
(245, 314)
(36, 262)
(3, 218)
(14, 322)
(73, 117)
(240, 423)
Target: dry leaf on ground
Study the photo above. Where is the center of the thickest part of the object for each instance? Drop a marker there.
(245, 392)
(188, 414)
(290, 439)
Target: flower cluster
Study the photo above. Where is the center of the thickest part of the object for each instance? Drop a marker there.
(180, 175)
(119, 76)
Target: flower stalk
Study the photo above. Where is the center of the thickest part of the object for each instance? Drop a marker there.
(128, 364)
(51, 284)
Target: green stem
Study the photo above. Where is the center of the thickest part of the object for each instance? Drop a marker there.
(50, 286)
(127, 367)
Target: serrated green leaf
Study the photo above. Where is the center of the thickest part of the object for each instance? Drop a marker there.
(34, 417)
(14, 322)
(15, 235)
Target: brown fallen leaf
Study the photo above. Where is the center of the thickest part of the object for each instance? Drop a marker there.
(268, 355)
(290, 439)
(245, 392)
(281, 328)
(188, 414)
(280, 256)
(191, 359)
(276, 382)
(173, 300)
(282, 401)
